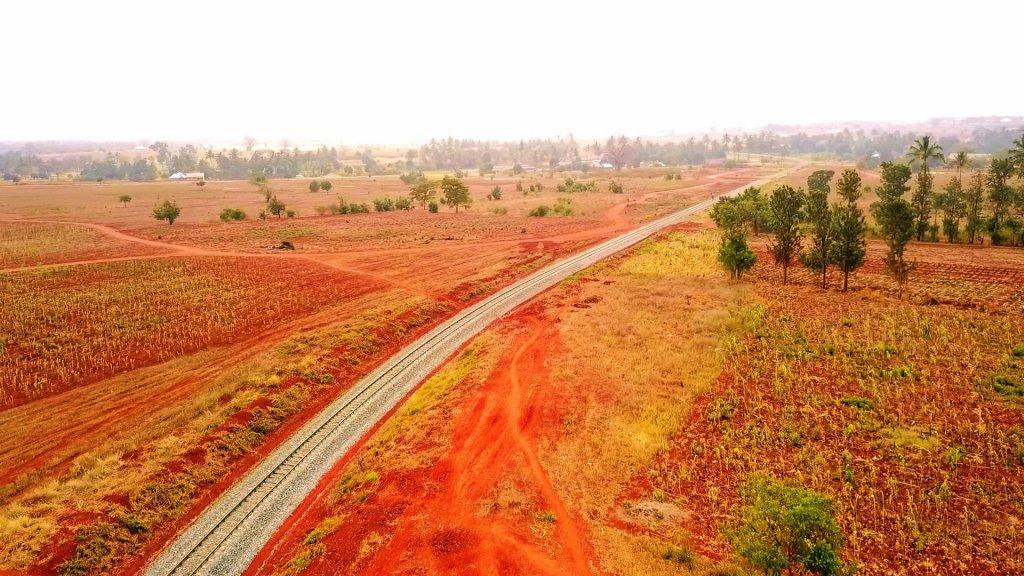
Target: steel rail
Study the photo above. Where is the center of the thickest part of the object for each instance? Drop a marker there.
(225, 538)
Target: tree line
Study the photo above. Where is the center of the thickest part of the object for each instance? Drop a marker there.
(991, 204)
(868, 148)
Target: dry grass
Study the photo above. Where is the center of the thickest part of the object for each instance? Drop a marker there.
(32, 243)
(661, 316)
(66, 327)
(895, 409)
(112, 499)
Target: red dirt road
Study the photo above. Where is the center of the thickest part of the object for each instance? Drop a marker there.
(445, 518)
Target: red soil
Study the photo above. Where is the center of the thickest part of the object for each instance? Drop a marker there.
(434, 517)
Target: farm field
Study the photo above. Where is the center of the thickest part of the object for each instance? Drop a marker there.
(608, 426)
(152, 364)
(26, 244)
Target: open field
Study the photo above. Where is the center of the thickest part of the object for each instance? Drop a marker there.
(168, 359)
(31, 243)
(98, 202)
(67, 327)
(606, 427)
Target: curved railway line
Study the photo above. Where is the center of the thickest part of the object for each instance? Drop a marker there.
(225, 538)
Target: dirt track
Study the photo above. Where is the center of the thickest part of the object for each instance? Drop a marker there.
(230, 533)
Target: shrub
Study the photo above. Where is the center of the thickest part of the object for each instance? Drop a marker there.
(384, 205)
(403, 203)
(289, 213)
(169, 211)
(547, 516)
(679, 555)
(495, 193)
(735, 255)
(615, 187)
(857, 402)
(563, 207)
(314, 186)
(432, 207)
(231, 214)
(571, 185)
(326, 185)
(781, 527)
(540, 211)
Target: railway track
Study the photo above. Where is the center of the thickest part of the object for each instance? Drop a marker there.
(224, 539)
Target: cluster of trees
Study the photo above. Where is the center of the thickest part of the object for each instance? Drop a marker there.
(992, 203)
(837, 230)
(234, 164)
(316, 186)
(453, 193)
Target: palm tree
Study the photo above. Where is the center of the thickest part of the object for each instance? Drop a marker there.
(962, 161)
(924, 150)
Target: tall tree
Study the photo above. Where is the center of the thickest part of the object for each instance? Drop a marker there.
(734, 253)
(974, 204)
(896, 218)
(851, 227)
(754, 206)
(1017, 156)
(454, 193)
(423, 192)
(1000, 195)
(786, 206)
(921, 152)
(954, 207)
(822, 219)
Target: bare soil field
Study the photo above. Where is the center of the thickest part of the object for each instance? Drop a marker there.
(607, 427)
(153, 364)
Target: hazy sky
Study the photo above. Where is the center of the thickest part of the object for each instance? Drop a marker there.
(375, 72)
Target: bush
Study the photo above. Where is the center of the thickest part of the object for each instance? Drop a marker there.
(232, 214)
(540, 211)
(570, 186)
(495, 193)
(403, 203)
(563, 207)
(735, 255)
(782, 527)
(314, 186)
(169, 211)
(615, 188)
(384, 205)
(432, 207)
(679, 555)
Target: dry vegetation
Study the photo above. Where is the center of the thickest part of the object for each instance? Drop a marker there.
(66, 327)
(32, 243)
(130, 491)
(611, 402)
(663, 386)
(135, 391)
